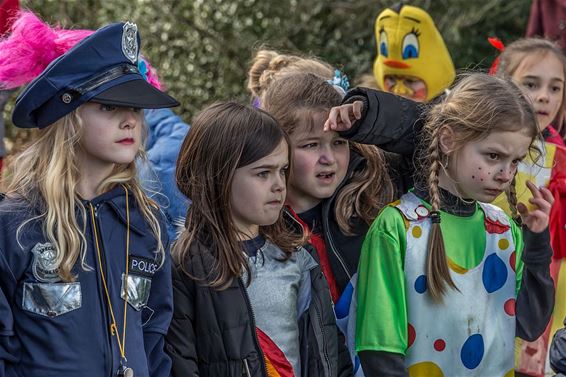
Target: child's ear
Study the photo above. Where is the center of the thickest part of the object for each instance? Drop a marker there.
(446, 140)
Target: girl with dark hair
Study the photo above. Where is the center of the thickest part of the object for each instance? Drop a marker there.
(249, 300)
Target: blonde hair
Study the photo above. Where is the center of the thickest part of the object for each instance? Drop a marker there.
(296, 98)
(268, 65)
(478, 105)
(45, 175)
(516, 52)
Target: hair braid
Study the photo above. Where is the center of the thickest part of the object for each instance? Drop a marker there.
(511, 194)
(438, 274)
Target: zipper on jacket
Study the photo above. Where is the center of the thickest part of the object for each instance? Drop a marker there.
(246, 371)
(324, 350)
(252, 317)
(103, 304)
(333, 248)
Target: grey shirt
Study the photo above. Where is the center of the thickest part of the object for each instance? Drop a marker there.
(279, 294)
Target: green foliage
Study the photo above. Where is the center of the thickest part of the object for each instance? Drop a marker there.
(202, 48)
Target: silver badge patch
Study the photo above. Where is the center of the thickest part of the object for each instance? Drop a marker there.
(130, 46)
(44, 266)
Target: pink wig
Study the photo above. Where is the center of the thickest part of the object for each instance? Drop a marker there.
(33, 44)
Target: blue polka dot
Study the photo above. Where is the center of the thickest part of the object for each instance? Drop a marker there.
(494, 273)
(420, 284)
(472, 351)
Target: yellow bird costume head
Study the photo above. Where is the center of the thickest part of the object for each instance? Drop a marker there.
(412, 59)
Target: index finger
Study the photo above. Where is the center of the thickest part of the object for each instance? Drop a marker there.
(534, 189)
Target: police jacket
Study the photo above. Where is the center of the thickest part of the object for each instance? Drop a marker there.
(391, 123)
(50, 328)
(213, 331)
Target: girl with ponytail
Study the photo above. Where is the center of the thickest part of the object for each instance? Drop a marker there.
(446, 279)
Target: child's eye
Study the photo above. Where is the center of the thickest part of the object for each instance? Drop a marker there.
(309, 145)
(284, 171)
(263, 174)
(340, 142)
(517, 161)
(556, 89)
(529, 85)
(493, 156)
(104, 107)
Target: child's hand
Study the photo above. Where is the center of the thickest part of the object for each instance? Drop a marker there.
(341, 117)
(537, 220)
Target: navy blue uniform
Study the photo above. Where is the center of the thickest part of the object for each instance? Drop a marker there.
(51, 328)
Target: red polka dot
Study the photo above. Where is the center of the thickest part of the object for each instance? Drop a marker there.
(509, 307)
(512, 261)
(439, 345)
(412, 335)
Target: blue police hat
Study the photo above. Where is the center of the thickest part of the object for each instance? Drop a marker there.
(102, 68)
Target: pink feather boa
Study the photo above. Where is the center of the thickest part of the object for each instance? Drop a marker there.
(32, 45)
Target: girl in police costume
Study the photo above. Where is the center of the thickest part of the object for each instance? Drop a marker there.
(249, 301)
(448, 255)
(85, 283)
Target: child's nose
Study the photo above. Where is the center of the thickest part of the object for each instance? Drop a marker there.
(327, 156)
(131, 118)
(505, 174)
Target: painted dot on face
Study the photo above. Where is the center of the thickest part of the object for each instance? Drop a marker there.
(481, 179)
(479, 167)
(473, 177)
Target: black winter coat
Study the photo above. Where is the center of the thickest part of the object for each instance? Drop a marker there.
(213, 334)
(391, 123)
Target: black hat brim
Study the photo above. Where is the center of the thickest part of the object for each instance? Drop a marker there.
(135, 93)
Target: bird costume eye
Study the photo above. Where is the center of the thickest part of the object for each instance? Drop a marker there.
(411, 46)
(383, 49)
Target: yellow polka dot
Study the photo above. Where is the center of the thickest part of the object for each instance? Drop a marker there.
(511, 373)
(503, 244)
(425, 369)
(417, 231)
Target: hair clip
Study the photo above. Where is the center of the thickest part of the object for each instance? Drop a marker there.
(435, 217)
(340, 80)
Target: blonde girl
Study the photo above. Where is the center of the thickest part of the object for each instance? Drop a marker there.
(445, 279)
(336, 186)
(85, 280)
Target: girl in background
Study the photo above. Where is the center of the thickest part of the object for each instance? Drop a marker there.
(336, 186)
(538, 67)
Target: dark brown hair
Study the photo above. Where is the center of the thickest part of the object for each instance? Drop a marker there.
(294, 98)
(224, 137)
(478, 105)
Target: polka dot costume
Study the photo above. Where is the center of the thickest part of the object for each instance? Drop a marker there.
(472, 332)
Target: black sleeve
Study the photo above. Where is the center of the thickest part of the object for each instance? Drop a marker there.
(535, 300)
(181, 340)
(345, 367)
(389, 122)
(385, 364)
